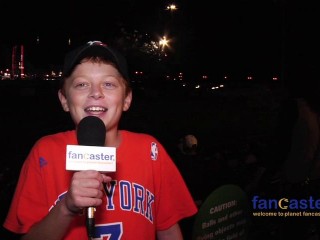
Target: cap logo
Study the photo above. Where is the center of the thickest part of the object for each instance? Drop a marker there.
(97, 43)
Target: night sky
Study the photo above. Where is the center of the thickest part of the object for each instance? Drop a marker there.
(241, 36)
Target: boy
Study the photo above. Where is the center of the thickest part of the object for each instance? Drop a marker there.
(144, 199)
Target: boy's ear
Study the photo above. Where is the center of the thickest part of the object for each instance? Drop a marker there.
(127, 101)
(63, 101)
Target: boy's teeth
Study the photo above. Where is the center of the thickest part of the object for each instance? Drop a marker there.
(97, 109)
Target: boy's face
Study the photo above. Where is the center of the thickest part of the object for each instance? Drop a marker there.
(95, 89)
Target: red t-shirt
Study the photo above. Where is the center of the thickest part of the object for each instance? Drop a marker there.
(148, 193)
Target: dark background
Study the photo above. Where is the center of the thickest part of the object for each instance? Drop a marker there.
(239, 37)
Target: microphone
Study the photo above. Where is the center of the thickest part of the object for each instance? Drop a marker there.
(90, 153)
(91, 131)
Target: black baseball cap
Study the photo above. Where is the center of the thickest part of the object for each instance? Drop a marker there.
(95, 49)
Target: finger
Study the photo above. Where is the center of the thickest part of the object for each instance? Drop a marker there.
(106, 178)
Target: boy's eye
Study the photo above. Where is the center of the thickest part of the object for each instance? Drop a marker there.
(109, 85)
(81, 84)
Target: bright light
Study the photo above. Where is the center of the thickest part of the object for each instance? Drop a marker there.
(172, 7)
(164, 42)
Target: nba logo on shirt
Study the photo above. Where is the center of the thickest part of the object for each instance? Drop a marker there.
(154, 151)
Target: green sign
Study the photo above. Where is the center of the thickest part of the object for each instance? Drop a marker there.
(223, 215)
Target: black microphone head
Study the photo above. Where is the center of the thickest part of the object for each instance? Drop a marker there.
(91, 131)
